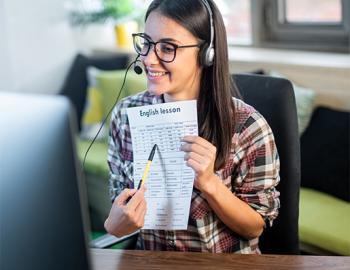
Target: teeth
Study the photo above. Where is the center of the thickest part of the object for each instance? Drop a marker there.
(156, 74)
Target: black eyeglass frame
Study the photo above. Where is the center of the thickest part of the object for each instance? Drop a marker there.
(155, 44)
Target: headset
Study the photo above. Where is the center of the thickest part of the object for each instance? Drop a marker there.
(207, 53)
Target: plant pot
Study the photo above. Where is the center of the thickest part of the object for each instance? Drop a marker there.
(123, 32)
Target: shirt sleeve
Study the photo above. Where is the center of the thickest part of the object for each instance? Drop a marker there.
(257, 174)
(119, 155)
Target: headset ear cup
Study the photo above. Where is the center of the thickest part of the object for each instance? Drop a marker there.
(210, 53)
(207, 56)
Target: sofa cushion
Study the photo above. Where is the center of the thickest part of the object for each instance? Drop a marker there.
(75, 84)
(96, 160)
(304, 99)
(93, 115)
(325, 153)
(324, 221)
(103, 90)
(110, 82)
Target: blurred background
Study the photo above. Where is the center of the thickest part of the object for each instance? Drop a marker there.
(40, 38)
(80, 49)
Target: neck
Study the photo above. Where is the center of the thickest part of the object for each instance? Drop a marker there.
(173, 98)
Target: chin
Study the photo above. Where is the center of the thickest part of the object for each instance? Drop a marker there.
(155, 90)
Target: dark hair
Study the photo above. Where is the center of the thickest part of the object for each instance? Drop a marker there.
(215, 106)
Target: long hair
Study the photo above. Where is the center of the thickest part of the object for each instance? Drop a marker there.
(215, 106)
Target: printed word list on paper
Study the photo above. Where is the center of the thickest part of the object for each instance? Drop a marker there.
(169, 181)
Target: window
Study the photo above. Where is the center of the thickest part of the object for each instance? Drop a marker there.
(304, 24)
(237, 18)
(313, 11)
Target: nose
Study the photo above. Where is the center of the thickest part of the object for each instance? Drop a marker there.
(151, 58)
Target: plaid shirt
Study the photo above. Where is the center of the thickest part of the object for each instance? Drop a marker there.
(251, 173)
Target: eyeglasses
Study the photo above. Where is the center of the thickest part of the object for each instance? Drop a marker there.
(164, 50)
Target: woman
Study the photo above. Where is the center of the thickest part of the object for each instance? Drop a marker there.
(234, 157)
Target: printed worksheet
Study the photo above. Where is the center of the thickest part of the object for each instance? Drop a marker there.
(169, 181)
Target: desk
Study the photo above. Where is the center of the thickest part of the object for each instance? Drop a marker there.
(111, 259)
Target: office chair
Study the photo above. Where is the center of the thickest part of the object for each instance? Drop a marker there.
(274, 99)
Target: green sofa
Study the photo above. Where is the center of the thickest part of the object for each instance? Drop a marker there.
(324, 223)
(324, 220)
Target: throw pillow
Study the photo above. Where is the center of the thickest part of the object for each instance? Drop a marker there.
(104, 87)
(110, 83)
(304, 98)
(75, 84)
(324, 150)
(93, 112)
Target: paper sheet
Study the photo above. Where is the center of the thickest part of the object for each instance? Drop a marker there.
(170, 180)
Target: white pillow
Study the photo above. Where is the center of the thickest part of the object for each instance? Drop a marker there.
(304, 98)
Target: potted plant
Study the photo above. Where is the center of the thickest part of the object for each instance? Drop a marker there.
(124, 14)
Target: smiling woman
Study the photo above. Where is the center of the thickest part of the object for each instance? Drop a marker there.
(234, 158)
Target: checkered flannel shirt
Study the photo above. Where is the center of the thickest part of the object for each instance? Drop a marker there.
(251, 173)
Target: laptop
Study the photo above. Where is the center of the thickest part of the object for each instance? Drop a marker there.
(43, 207)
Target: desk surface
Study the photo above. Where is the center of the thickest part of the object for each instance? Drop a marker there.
(109, 259)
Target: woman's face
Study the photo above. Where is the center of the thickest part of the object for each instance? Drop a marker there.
(180, 79)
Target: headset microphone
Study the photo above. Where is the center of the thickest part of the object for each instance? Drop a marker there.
(137, 68)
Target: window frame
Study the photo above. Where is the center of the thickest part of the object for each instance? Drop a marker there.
(270, 31)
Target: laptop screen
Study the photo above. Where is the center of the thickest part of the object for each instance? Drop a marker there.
(43, 208)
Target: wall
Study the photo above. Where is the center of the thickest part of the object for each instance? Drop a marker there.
(5, 68)
(326, 73)
(38, 45)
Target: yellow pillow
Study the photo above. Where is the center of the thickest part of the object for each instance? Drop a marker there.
(103, 90)
(93, 109)
(109, 82)
(93, 114)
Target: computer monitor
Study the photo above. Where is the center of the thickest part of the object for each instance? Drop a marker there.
(43, 208)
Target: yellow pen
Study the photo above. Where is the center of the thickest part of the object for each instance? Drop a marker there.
(148, 165)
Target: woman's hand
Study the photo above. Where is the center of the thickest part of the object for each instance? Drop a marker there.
(200, 156)
(126, 216)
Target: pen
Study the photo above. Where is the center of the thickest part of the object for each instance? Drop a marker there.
(148, 165)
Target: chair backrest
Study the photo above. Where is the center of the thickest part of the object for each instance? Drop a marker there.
(274, 99)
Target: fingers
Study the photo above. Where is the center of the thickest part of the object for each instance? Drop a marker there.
(196, 166)
(124, 196)
(196, 157)
(137, 198)
(127, 218)
(140, 214)
(136, 209)
(192, 147)
(200, 142)
(198, 149)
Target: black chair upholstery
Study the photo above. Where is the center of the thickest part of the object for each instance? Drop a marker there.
(274, 99)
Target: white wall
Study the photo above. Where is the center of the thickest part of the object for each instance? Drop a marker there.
(5, 68)
(37, 44)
